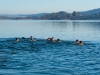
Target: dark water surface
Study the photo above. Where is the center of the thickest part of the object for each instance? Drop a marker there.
(43, 57)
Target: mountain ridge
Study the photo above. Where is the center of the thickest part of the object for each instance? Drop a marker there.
(90, 14)
(93, 11)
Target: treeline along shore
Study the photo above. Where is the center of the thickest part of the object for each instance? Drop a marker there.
(62, 15)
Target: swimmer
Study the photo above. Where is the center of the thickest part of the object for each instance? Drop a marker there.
(52, 39)
(17, 40)
(77, 42)
(48, 38)
(81, 43)
(58, 40)
(31, 38)
(23, 37)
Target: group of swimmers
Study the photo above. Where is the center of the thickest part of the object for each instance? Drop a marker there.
(31, 39)
(52, 40)
(79, 42)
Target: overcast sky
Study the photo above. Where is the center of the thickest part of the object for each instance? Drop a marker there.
(45, 6)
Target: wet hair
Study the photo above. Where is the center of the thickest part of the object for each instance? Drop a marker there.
(16, 39)
(58, 39)
(76, 39)
(23, 37)
(80, 42)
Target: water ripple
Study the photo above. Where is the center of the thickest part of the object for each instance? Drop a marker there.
(48, 58)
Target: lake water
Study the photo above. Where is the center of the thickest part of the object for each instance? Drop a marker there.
(44, 57)
(65, 30)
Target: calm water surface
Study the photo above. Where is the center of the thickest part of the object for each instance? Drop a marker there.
(65, 30)
(43, 57)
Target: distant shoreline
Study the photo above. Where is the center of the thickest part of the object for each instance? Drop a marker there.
(61, 15)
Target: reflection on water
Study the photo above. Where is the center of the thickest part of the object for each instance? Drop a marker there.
(65, 30)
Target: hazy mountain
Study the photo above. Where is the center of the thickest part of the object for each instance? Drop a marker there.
(94, 11)
(23, 15)
(56, 16)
